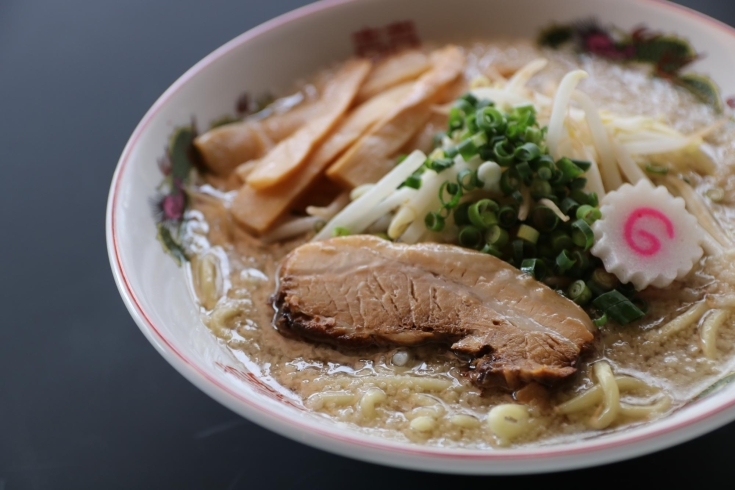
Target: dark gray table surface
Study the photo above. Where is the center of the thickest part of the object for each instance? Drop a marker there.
(85, 401)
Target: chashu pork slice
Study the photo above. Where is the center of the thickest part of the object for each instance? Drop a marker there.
(359, 291)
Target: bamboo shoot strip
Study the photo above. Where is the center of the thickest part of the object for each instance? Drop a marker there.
(371, 156)
(290, 154)
(274, 203)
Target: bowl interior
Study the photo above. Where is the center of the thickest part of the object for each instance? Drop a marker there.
(269, 59)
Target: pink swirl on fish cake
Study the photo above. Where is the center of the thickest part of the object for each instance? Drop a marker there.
(651, 244)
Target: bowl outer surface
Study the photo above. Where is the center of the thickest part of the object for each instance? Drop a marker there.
(268, 59)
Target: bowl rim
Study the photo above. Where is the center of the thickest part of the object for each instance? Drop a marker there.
(597, 452)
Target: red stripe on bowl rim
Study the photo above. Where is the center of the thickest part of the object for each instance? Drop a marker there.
(374, 443)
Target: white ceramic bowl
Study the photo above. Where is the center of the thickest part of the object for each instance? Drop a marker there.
(269, 58)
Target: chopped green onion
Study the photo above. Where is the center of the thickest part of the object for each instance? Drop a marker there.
(467, 179)
(490, 119)
(544, 219)
(539, 189)
(461, 216)
(544, 173)
(438, 165)
(715, 194)
(583, 263)
(582, 234)
(602, 281)
(568, 206)
(601, 320)
(400, 158)
(564, 262)
(507, 216)
(451, 152)
(470, 123)
(467, 149)
(470, 237)
(496, 236)
(453, 190)
(533, 135)
(413, 181)
(489, 249)
(518, 250)
(640, 304)
(579, 293)
(545, 250)
(479, 138)
(568, 169)
(503, 153)
(588, 214)
(515, 130)
(434, 221)
(627, 289)
(535, 268)
(481, 213)
(582, 164)
(438, 139)
(608, 300)
(464, 105)
(592, 199)
(456, 119)
(524, 172)
(560, 241)
(657, 169)
(469, 98)
(618, 307)
(517, 196)
(341, 231)
(578, 184)
(509, 182)
(527, 152)
(528, 234)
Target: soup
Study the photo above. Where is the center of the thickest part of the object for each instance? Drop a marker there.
(522, 185)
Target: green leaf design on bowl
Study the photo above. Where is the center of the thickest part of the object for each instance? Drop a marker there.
(703, 88)
(715, 387)
(181, 147)
(170, 244)
(667, 54)
(657, 48)
(555, 36)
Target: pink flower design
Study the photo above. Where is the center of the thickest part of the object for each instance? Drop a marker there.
(173, 206)
(601, 44)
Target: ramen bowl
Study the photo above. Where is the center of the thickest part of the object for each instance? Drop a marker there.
(269, 58)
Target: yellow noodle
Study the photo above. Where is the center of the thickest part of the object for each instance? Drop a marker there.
(464, 421)
(508, 421)
(434, 411)
(414, 382)
(683, 321)
(423, 424)
(593, 396)
(709, 329)
(372, 397)
(338, 398)
(717, 301)
(640, 411)
(220, 319)
(422, 400)
(610, 396)
(206, 274)
(698, 209)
